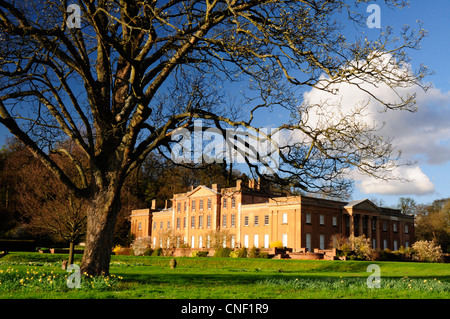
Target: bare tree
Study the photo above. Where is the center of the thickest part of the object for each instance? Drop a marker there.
(125, 80)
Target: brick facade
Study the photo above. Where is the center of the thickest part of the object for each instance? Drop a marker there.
(245, 215)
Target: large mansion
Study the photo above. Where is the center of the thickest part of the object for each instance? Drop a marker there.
(245, 215)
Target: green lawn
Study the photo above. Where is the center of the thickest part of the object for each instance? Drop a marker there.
(34, 275)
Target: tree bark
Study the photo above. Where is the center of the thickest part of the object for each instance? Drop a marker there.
(101, 219)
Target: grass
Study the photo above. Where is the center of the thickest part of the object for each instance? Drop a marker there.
(34, 275)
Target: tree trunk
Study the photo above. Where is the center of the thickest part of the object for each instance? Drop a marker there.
(71, 253)
(101, 219)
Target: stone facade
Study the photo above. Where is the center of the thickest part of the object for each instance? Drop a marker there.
(245, 215)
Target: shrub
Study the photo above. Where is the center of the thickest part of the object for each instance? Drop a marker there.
(254, 252)
(427, 251)
(157, 252)
(222, 252)
(197, 253)
(140, 245)
(276, 244)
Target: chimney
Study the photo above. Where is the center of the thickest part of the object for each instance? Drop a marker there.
(251, 183)
(214, 187)
(153, 204)
(192, 188)
(238, 184)
(165, 204)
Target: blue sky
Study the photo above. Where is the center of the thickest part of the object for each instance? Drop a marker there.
(425, 139)
(434, 54)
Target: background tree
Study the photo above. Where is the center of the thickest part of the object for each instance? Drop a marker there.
(134, 73)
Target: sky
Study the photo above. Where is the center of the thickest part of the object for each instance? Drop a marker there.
(424, 136)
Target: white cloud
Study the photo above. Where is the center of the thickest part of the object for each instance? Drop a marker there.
(422, 136)
(417, 182)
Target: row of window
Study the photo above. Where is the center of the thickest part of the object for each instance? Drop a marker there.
(202, 204)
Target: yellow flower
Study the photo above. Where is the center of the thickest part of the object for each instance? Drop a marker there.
(425, 281)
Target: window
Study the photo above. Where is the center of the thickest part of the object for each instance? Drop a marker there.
(184, 222)
(161, 225)
(193, 204)
(385, 243)
(233, 202)
(178, 223)
(384, 226)
(406, 229)
(374, 243)
(208, 221)
(322, 241)
(322, 219)
(200, 241)
(201, 204)
(192, 242)
(200, 221)
(284, 220)
(284, 240)
(374, 224)
(246, 221)
(185, 206)
(224, 221)
(308, 242)
(233, 220)
(394, 226)
(193, 222)
(308, 218)
(406, 244)
(168, 225)
(395, 245)
(233, 241)
(209, 203)
(266, 220)
(154, 225)
(225, 201)
(334, 220)
(266, 241)
(256, 241)
(139, 226)
(208, 241)
(256, 220)
(178, 207)
(246, 241)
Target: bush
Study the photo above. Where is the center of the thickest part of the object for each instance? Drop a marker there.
(141, 245)
(254, 252)
(276, 244)
(222, 252)
(197, 253)
(157, 252)
(427, 251)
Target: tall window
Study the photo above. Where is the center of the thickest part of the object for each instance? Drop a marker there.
(225, 201)
(233, 220)
(256, 220)
(209, 203)
(224, 221)
(322, 219)
(208, 221)
(201, 204)
(233, 202)
(308, 218)
(200, 221)
(285, 218)
(334, 221)
(266, 220)
(193, 204)
(246, 221)
(178, 207)
(178, 223)
(308, 242)
(322, 241)
(193, 222)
